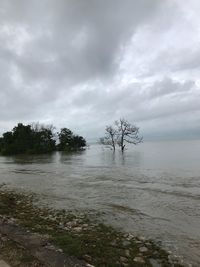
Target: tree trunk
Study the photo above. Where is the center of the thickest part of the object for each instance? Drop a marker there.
(113, 145)
(123, 146)
(122, 143)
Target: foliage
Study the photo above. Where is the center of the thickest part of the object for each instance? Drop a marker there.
(38, 139)
(122, 132)
(26, 139)
(69, 141)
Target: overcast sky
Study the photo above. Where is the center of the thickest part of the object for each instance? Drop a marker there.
(85, 63)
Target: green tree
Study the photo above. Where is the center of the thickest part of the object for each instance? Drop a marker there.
(69, 141)
(43, 138)
(22, 138)
(78, 142)
(65, 139)
(25, 139)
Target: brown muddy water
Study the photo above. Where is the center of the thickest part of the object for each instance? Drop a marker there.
(152, 190)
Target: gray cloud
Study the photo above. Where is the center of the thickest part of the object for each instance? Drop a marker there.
(83, 64)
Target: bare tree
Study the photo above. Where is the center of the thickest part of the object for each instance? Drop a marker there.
(127, 133)
(110, 138)
(122, 132)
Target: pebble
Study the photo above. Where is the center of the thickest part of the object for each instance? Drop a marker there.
(87, 257)
(113, 243)
(127, 253)
(142, 238)
(123, 259)
(155, 263)
(139, 259)
(143, 249)
(130, 236)
(138, 242)
(77, 229)
(126, 243)
(51, 247)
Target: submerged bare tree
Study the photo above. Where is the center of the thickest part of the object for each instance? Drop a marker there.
(127, 133)
(110, 138)
(122, 132)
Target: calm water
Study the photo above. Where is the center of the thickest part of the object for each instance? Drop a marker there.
(152, 190)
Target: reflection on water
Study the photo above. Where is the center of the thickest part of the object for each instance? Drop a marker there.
(152, 189)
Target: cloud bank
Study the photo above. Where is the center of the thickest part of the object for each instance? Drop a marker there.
(84, 64)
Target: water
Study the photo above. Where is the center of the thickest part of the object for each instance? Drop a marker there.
(152, 189)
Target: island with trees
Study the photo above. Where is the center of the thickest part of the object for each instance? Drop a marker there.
(38, 139)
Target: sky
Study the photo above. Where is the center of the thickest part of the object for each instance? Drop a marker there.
(84, 64)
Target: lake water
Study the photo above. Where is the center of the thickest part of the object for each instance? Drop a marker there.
(152, 189)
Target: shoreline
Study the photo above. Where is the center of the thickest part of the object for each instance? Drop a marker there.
(68, 236)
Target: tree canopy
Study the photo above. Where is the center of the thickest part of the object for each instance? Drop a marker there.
(69, 141)
(38, 139)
